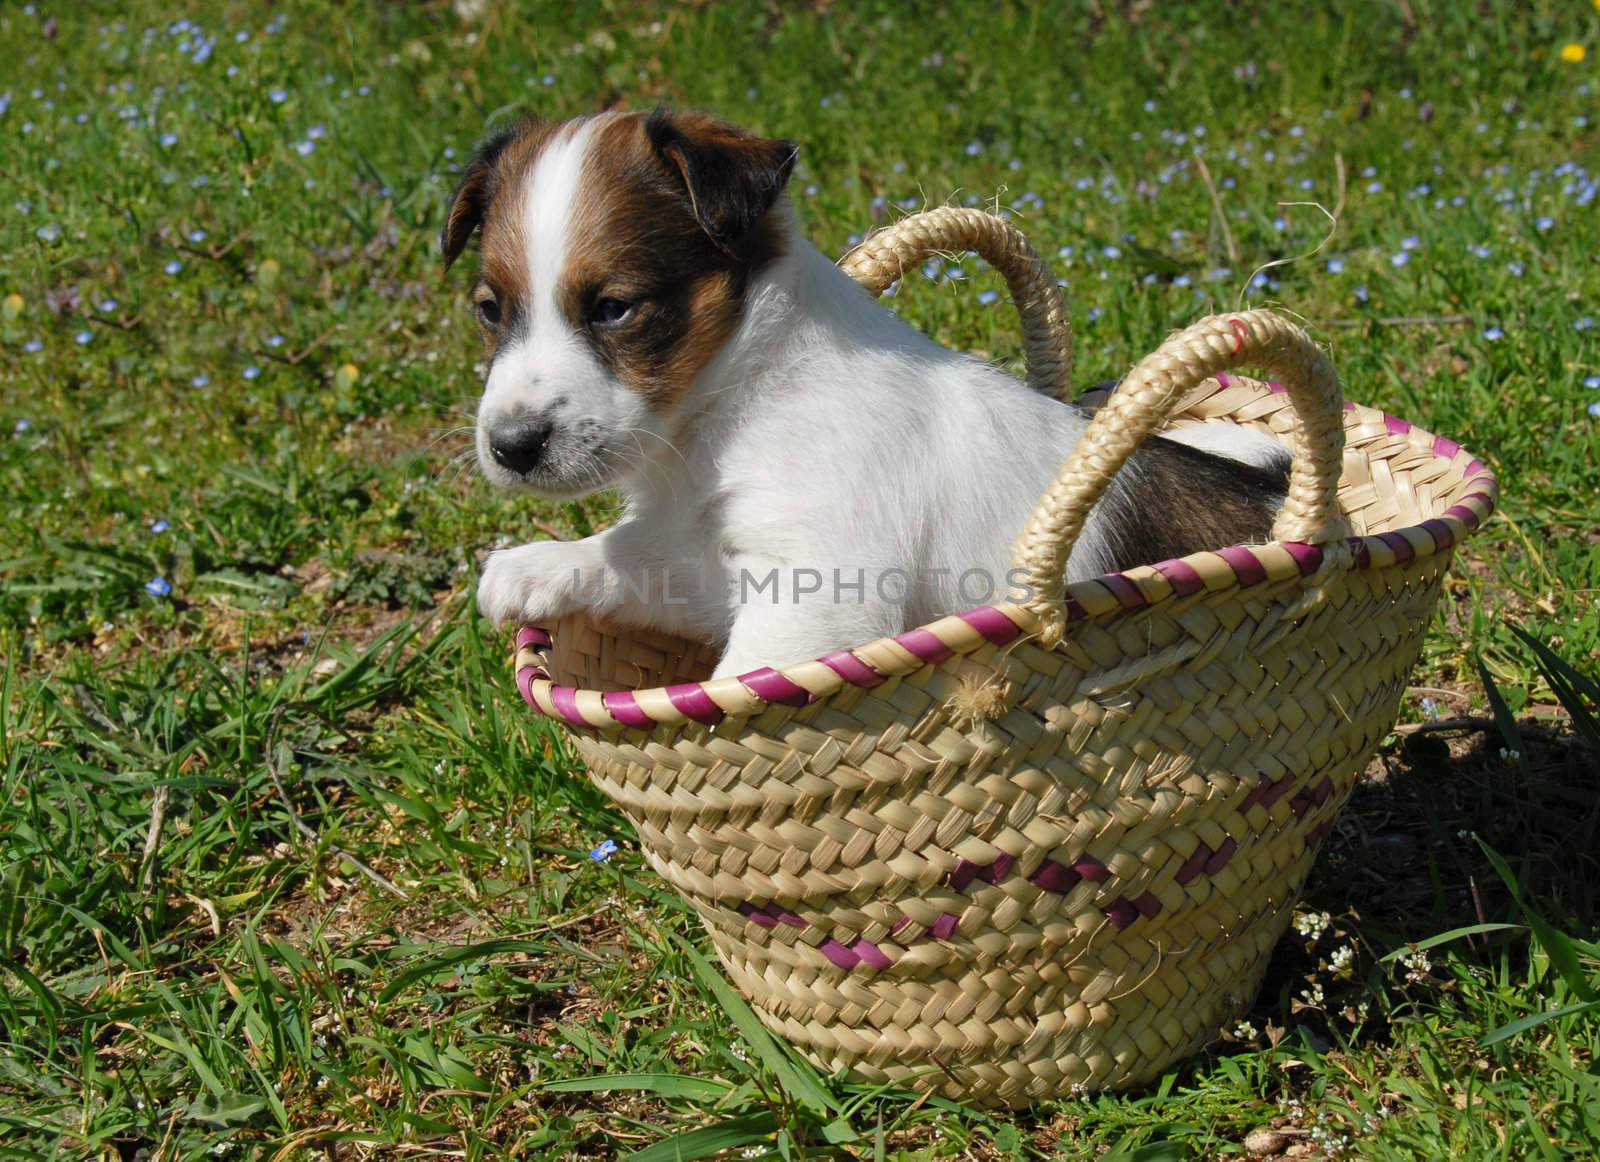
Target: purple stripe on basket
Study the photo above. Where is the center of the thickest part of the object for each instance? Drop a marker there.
(565, 700)
(1404, 550)
(991, 623)
(1181, 576)
(1445, 448)
(1276, 387)
(900, 923)
(1307, 557)
(766, 683)
(1121, 913)
(925, 644)
(758, 915)
(624, 707)
(1441, 533)
(1055, 877)
(838, 953)
(785, 916)
(997, 870)
(1222, 379)
(1463, 513)
(1349, 405)
(1361, 551)
(693, 701)
(1244, 564)
(945, 926)
(871, 954)
(1091, 869)
(1301, 805)
(1272, 790)
(1073, 610)
(1323, 791)
(1396, 425)
(531, 635)
(1317, 834)
(1475, 468)
(525, 685)
(1194, 865)
(1219, 858)
(966, 871)
(852, 669)
(1147, 904)
(1128, 595)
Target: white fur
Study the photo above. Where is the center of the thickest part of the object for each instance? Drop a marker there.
(826, 435)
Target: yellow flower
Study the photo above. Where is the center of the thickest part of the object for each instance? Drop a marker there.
(345, 378)
(1573, 53)
(12, 305)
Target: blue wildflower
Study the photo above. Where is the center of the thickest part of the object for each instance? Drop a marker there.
(168, 140)
(989, 297)
(158, 587)
(1410, 242)
(1481, 250)
(1544, 223)
(83, 338)
(1181, 280)
(1400, 259)
(1335, 266)
(33, 346)
(305, 148)
(159, 526)
(1362, 296)
(201, 380)
(251, 372)
(1374, 187)
(1516, 269)
(1112, 251)
(107, 306)
(277, 96)
(1094, 313)
(1592, 382)
(23, 427)
(274, 340)
(1493, 334)
(173, 267)
(1594, 409)
(47, 233)
(604, 851)
(197, 236)
(1582, 324)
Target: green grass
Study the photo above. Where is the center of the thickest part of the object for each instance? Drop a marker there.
(228, 319)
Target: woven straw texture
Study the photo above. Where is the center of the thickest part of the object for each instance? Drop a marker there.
(1037, 847)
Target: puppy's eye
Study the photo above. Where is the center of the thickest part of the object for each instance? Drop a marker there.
(488, 313)
(609, 312)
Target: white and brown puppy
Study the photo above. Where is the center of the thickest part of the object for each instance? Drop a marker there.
(800, 469)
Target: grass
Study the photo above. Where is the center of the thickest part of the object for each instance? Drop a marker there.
(238, 543)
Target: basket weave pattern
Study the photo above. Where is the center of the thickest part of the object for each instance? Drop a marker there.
(1035, 847)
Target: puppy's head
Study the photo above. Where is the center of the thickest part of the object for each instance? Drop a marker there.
(615, 254)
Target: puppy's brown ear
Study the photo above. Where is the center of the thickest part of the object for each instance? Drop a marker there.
(473, 193)
(731, 177)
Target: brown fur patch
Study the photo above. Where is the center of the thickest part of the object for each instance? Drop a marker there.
(637, 237)
(1178, 500)
(489, 202)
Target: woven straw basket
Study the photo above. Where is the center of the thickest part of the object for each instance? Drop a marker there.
(1037, 847)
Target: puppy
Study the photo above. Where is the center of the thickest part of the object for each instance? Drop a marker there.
(800, 469)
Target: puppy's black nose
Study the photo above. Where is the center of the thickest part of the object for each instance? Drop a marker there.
(517, 444)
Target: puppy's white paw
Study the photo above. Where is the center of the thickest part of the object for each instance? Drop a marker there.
(532, 584)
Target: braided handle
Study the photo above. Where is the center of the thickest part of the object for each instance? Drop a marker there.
(1146, 397)
(1046, 327)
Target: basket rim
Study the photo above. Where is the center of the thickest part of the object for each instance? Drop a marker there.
(1242, 567)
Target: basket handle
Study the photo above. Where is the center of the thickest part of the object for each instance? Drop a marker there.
(1143, 400)
(1046, 327)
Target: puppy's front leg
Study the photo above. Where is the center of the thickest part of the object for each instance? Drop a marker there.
(541, 582)
(621, 574)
